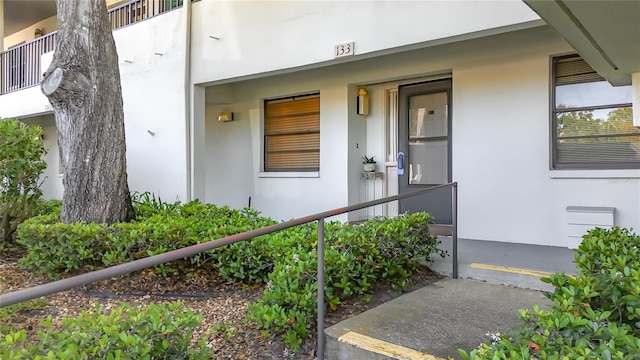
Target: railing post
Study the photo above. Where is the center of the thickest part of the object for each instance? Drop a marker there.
(320, 342)
(454, 227)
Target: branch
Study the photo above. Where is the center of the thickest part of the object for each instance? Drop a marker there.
(60, 84)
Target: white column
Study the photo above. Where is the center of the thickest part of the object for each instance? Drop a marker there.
(635, 84)
(1, 25)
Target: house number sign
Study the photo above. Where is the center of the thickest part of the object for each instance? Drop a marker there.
(345, 49)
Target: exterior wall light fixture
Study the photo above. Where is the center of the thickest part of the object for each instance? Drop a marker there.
(362, 103)
(225, 116)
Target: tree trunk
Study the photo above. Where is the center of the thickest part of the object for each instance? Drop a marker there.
(83, 87)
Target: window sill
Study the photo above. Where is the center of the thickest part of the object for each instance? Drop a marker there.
(595, 174)
(289, 174)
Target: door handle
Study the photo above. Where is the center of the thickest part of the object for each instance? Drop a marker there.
(401, 157)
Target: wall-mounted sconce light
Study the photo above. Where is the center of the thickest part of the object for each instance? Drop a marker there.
(151, 133)
(225, 116)
(158, 53)
(362, 103)
(214, 37)
(128, 61)
(38, 33)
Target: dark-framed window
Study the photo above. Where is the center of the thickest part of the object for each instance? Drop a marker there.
(592, 122)
(292, 133)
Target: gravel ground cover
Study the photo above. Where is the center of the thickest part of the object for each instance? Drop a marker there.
(222, 304)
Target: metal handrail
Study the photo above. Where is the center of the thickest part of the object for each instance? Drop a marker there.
(107, 273)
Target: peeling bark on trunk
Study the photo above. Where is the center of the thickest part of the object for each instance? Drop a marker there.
(83, 87)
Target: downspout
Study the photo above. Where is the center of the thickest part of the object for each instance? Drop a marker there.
(188, 100)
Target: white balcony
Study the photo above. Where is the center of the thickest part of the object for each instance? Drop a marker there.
(20, 66)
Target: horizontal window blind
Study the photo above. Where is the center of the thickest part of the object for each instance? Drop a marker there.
(617, 151)
(292, 134)
(593, 122)
(573, 69)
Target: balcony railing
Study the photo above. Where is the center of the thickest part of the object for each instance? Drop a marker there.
(138, 10)
(20, 66)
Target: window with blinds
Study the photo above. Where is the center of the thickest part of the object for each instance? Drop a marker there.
(592, 120)
(292, 134)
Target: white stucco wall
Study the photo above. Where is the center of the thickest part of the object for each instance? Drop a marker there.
(27, 102)
(345, 136)
(152, 69)
(51, 178)
(500, 107)
(234, 152)
(501, 159)
(261, 36)
(500, 140)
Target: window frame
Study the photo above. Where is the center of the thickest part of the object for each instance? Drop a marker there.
(554, 164)
(266, 135)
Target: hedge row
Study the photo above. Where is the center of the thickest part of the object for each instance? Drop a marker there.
(356, 256)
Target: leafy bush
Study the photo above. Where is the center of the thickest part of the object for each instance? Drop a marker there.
(21, 165)
(595, 315)
(54, 248)
(126, 332)
(147, 204)
(46, 207)
(356, 258)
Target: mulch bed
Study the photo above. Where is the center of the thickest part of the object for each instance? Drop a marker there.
(217, 300)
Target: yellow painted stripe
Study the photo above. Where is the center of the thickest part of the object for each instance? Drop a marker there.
(511, 270)
(384, 348)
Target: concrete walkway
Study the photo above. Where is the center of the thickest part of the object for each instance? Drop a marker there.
(435, 321)
(519, 265)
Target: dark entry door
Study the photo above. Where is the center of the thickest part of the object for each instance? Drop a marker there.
(424, 132)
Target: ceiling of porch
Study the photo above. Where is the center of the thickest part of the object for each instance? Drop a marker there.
(19, 14)
(605, 33)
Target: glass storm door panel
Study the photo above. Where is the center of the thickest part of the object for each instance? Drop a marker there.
(424, 131)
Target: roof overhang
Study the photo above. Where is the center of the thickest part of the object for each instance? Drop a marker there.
(606, 33)
(20, 14)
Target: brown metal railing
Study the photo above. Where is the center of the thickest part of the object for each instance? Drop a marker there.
(139, 10)
(20, 66)
(136, 265)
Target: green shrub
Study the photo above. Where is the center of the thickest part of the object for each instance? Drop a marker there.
(21, 165)
(54, 248)
(356, 258)
(126, 332)
(47, 207)
(147, 204)
(595, 315)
